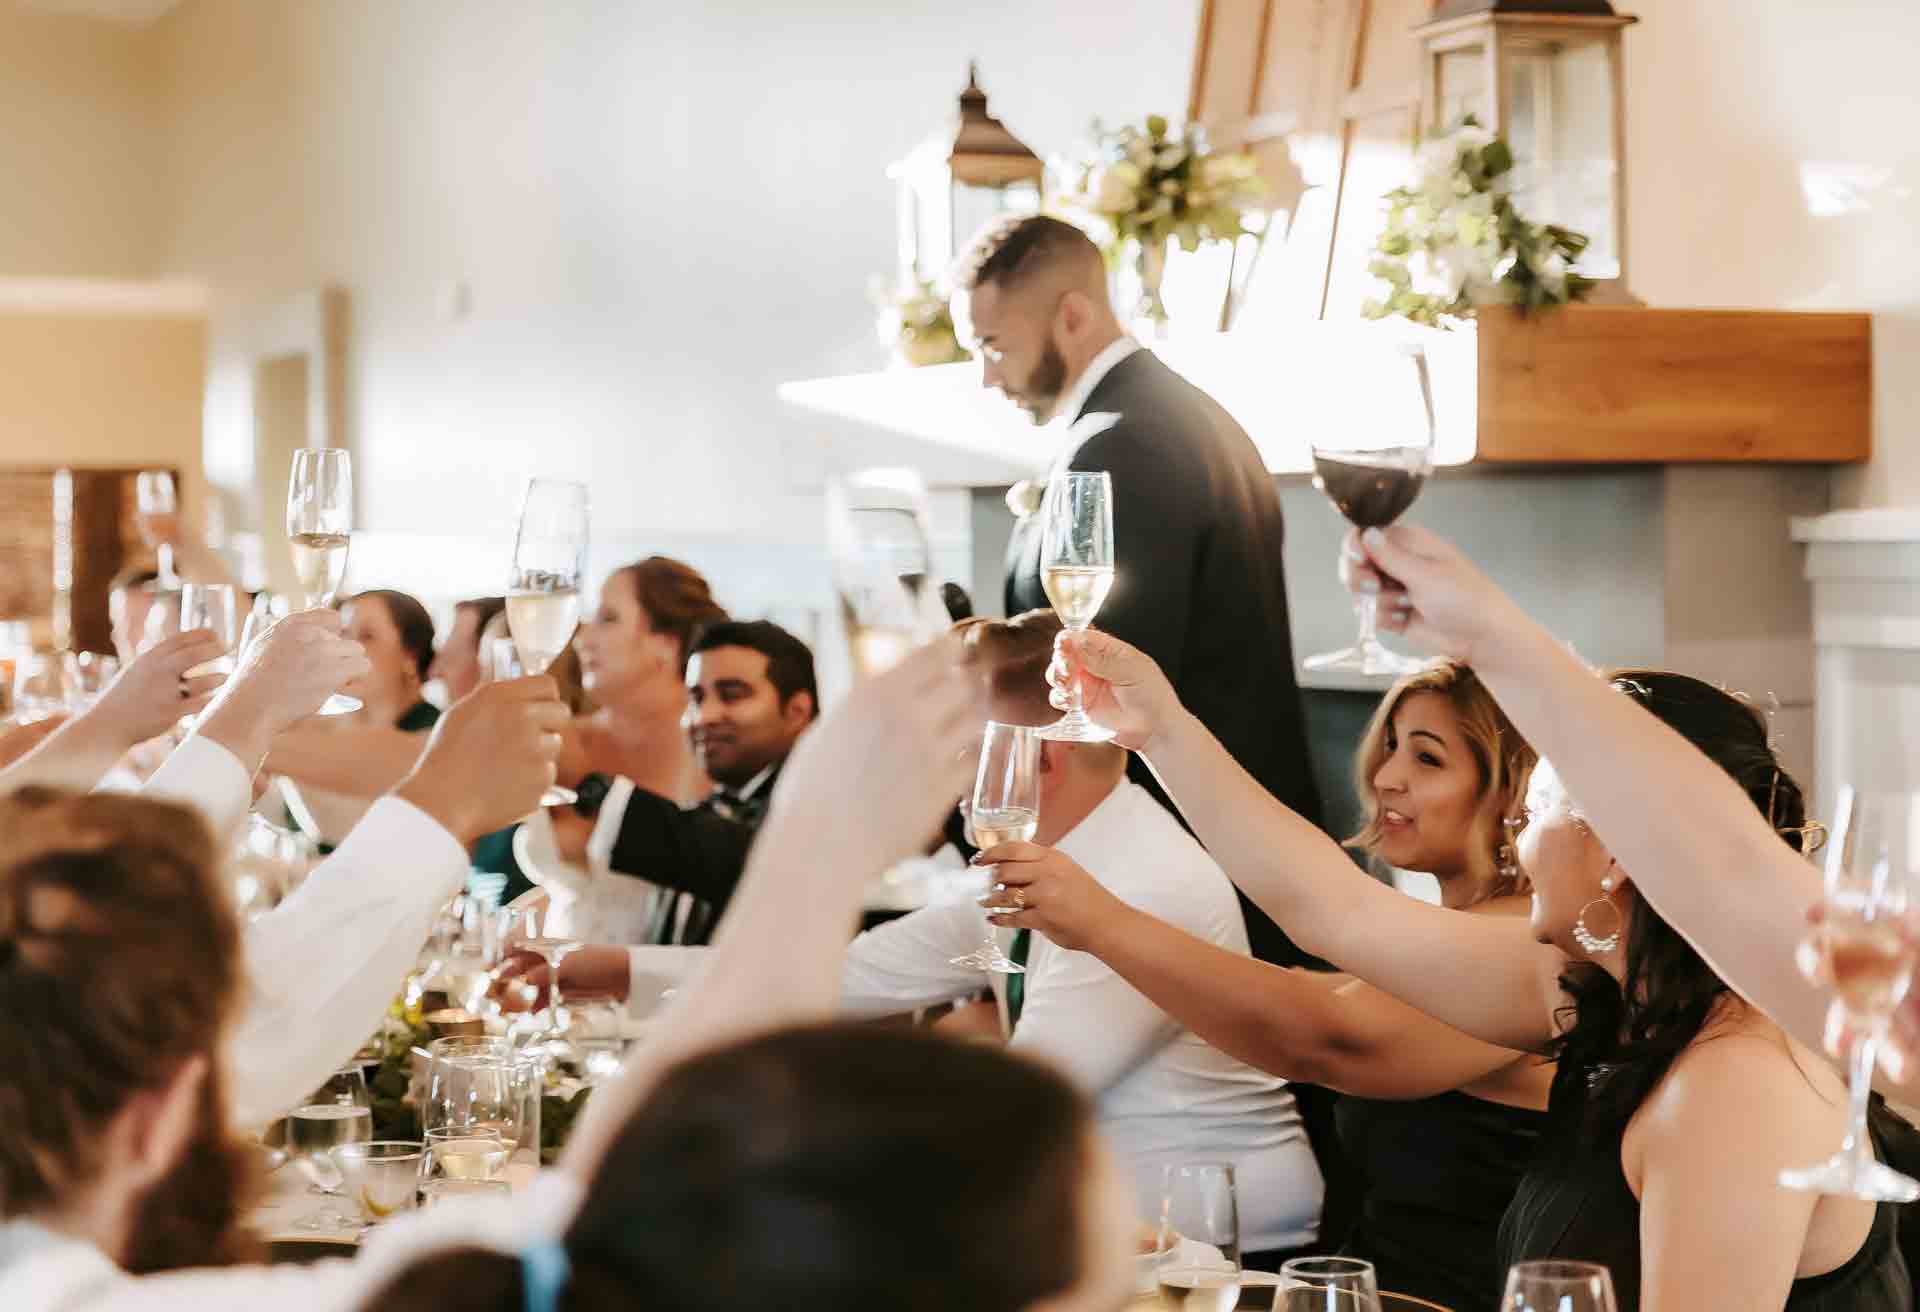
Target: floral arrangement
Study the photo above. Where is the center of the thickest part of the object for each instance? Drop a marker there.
(1145, 186)
(1454, 242)
(916, 323)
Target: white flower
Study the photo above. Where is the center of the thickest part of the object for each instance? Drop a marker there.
(1140, 153)
(1470, 136)
(1110, 190)
(1171, 157)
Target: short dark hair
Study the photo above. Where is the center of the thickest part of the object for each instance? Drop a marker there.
(410, 620)
(1010, 248)
(789, 660)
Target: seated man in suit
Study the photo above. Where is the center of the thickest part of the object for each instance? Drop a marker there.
(751, 694)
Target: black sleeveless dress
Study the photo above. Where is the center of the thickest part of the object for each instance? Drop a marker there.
(1577, 1206)
(1436, 1175)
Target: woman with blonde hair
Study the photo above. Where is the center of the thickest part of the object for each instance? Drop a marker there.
(1437, 1125)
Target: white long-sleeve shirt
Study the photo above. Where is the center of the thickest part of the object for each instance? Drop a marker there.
(322, 966)
(1163, 1094)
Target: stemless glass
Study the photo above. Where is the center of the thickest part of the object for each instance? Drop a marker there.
(338, 1112)
(435, 1192)
(543, 593)
(464, 1152)
(381, 1176)
(878, 540)
(320, 533)
(155, 498)
(1872, 863)
(1005, 809)
(1371, 470)
(1199, 1237)
(1076, 567)
(1558, 1287)
(1327, 1284)
(473, 1083)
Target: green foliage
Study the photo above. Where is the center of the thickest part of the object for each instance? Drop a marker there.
(1145, 186)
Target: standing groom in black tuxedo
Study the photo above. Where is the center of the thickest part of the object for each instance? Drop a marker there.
(1196, 519)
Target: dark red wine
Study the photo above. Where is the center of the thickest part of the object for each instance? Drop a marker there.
(1373, 491)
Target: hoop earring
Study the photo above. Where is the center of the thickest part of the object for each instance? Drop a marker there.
(1591, 943)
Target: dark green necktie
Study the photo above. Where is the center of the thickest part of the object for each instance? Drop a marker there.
(1017, 982)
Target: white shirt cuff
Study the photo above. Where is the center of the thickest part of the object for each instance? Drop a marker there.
(606, 826)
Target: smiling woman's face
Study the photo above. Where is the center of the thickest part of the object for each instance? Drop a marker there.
(1427, 787)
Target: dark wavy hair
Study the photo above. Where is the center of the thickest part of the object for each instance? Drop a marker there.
(1623, 1037)
(829, 1166)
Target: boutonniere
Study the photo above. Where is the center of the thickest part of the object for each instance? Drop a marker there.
(1024, 497)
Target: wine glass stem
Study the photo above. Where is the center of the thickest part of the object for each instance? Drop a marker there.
(1076, 709)
(1859, 1144)
(1367, 607)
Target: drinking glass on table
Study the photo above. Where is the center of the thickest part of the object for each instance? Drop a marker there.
(530, 929)
(1371, 466)
(1005, 808)
(1199, 1237)
(1873, 862)
(472, 1084)
(320, 533)
(464, 1152)
(154, 500)
(1327, 1284)
(381, 1176)
(882, 563)
(543, 594)
(1076, 567)
(435, 1192)
(338, 1112)
(1558, 1287)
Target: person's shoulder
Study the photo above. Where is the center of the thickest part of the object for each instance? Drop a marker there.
(1744, 1077)
(1153, 863)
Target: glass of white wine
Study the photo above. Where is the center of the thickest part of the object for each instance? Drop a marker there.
(338, 1112)
(1558, 1287)
(320, 532)
(464, 1152)
(1873, 860)
(1005, 809)
(882, 565)
(1200, 1238)
(543, 594)
(1076, 567)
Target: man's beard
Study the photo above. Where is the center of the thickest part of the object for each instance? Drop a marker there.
(1045, 383)
(193, 1216)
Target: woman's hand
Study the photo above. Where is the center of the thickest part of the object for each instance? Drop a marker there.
(1042, 889)
(153, 692)
(1120, 686)
(1429, 591)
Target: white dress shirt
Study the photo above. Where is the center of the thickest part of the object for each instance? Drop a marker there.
(1075, 398)
(322, 966)
(1163, 1094)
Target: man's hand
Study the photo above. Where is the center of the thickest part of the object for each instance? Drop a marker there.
(595, 973)
(285, 675)
(490, 758)
(153, 692)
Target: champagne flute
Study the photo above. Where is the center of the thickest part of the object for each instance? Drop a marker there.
(1005, 809)
(532, 932)
(155, 497)
(212, 606)
(543, 594)
(320, 532)
(1200, 1238)
(1076, 566)
(1558, 1287)
(878, 539)
(338, 1112)
(1872, 862)
(1372, 469)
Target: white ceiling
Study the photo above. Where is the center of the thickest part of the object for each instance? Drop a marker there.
(137, 12)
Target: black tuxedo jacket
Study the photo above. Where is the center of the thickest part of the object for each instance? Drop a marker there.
(701, 851)
(1198, 586)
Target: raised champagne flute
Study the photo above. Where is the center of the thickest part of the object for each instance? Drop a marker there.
(543, 594)
(1558, 1287)
(882, 565)
(154, 499)
(320, 532)
(1873, 861)
(1005, 809)
(1076, 567)
(1200, 1238)
(213, 606)
(1371, 468)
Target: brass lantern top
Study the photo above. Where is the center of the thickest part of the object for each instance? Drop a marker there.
(984, 153)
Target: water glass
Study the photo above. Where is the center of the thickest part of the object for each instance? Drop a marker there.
(339, 1112)
(464, 1152)
(381, 1177)
(1327, 1284)
(478, 1083)
(1199, 1237)
(435, 1192)
(1558, 1287)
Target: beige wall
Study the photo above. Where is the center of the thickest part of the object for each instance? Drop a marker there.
(1771, 163)
(79, 154)
(101, 391)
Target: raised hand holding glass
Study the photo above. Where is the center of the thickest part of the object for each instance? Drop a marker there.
(320, 533)
(1076, 567)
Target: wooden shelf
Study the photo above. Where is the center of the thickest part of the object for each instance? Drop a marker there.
(1590, 384)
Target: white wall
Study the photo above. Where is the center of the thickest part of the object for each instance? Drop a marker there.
(661, 210)
(1771, 162)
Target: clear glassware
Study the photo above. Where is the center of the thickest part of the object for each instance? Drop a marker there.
(1199, 1237)
(39, 687)
(1005, 808)
(1371, 469)
(89, 673)
(163, 619)
(1327, 1284)
(1558, 1287)
(214, 606)
(472, 1083)
(1076, 567)
(528, 930)
(155, 498)
(338, 1112)
(543, 593)
(320, 533)
(435, 1192)
(882, 566)
(381, 1176)
(464, 1152)
(1873, 861)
